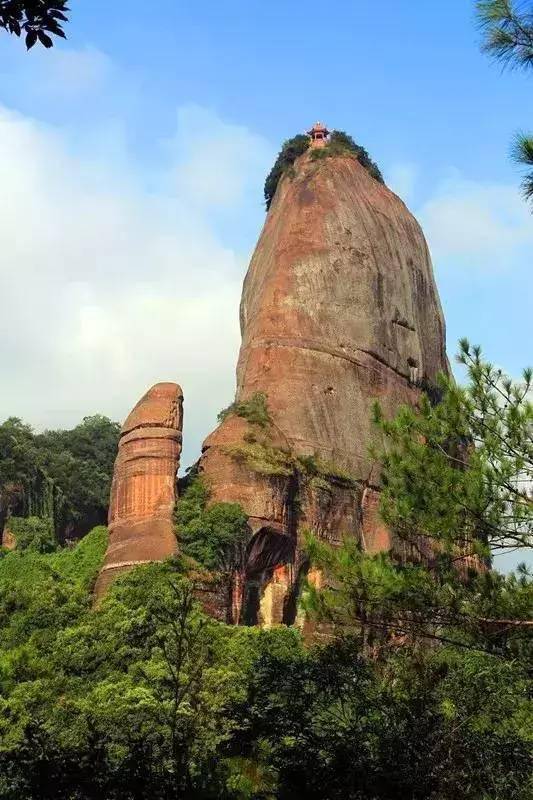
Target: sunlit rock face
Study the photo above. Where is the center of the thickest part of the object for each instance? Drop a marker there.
(339, 309)
(143, 492)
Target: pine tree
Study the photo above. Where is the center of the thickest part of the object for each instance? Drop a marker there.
(507, 30)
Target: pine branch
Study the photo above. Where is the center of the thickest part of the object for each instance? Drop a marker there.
(508, 31)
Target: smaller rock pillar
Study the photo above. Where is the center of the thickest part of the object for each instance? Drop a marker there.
(143, 491)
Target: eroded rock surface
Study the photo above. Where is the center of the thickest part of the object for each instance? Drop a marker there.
(143, 491)
(339, 309)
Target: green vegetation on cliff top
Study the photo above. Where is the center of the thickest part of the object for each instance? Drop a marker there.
(340, 143)
(254, 410)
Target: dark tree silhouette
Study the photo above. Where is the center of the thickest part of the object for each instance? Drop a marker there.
(36, 20)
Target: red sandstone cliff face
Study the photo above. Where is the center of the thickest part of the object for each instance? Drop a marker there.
(339, 309)
(339, 306)
(143, 492)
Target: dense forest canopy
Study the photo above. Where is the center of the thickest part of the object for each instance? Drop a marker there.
(62, 477)
(420, 689)
(148, 698)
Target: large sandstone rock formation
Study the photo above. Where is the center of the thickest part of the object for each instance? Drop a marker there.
(143, 491)
(339, 309)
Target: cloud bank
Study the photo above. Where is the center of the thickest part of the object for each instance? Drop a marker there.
(113, 278)
(477, 225)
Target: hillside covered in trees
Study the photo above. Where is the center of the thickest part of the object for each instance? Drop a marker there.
(56, 483)
(421, 688)
(316, 608)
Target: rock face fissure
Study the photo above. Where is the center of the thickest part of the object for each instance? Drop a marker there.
(339, 309)
(143, 492)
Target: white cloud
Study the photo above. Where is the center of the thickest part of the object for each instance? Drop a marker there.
(68, 71)
(206, 169)
(61, 73)
(108, 287)
(477, 225)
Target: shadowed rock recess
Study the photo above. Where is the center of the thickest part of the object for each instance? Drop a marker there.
(339, 309)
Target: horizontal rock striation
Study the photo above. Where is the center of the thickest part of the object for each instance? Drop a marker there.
(143, 492)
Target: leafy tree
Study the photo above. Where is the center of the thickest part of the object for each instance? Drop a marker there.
(383, 602)
(63, 477)
(19, 469)
(507, 29)
(36, 19)
(214, 535)
(147, 698)
(433, 724)
(33, 533)
(292, 148)
(80, 461)
(457, 477)
(132, 700)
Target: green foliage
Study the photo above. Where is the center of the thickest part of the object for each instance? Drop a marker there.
(522, 153)
(254, 410)
(33, 533)
(80, 461)
(40, 593)
(214, 535)
(24, 487)
(263, 458)
(35, 19)
(377, 598)
(461, 471)
(507, 29)
(62, 477)
(147, 698)
(340, 143)
(315, 467)
(456, 486)
(131, 700)
(440, 724)
(292, 148)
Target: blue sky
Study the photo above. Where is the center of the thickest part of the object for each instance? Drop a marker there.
(132, 159)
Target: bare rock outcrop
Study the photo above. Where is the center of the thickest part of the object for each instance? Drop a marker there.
(339, 309)
(143, 492)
